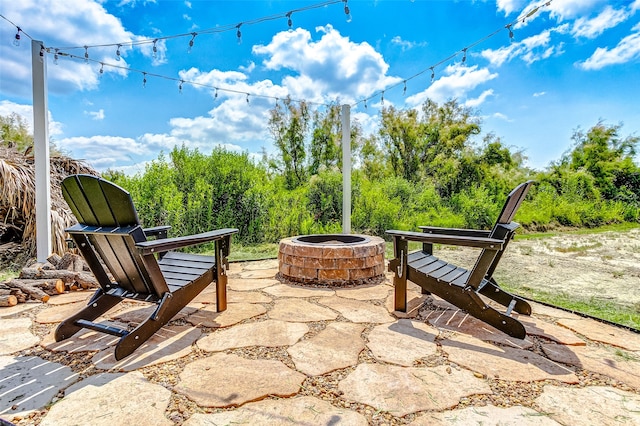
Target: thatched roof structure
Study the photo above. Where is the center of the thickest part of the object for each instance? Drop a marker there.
(18, 200)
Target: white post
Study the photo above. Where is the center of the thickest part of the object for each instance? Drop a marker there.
(346, 169)
(41, 151)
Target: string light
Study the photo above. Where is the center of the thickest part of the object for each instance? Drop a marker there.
(118, 52)
(216, 94)
(404, 90)
(86, 54)
(101, 69)
(464, 56)
(42, 50)
(289, 21)
(144, 79)
(382, 98)
(238, 33)
(247, 98)
(16, 39)
(218, 28)
(155, 48)
(180, 86)
(347, 11)
(193, 37)
(55, 57)
(433, 74)
(365, 104)
(510, 32)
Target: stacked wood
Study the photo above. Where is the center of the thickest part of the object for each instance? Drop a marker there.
(40, 281)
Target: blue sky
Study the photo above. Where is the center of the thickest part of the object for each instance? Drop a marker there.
(568, 66)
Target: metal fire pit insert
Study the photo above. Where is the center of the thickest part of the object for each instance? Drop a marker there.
(335, 260)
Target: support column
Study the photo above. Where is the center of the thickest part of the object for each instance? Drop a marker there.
(41, 151)
(346, 169)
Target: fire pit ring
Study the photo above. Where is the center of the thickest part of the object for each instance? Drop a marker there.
(333, 260)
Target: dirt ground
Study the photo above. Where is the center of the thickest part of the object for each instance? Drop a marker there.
(604, 266)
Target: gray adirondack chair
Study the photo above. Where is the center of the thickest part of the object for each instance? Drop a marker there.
(109, 233)
(457, 285)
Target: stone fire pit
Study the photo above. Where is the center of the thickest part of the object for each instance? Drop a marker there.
(332, 259)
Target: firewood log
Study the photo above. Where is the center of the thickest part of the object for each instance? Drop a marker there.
(54, 259)
(8, 300)
(33, 292)
(49, 286)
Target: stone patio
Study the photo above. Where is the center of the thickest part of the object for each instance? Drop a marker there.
(284, 355)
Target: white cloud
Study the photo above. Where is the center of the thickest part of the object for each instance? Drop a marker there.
(626, 50)
(510, 6)
(538, 94)
(476, 102)
(68, 23)
(501, 116)
(326, 69)
(457, 83)
(103, 152)
(530, 50)
(592, 28)
(26, 112)
(96, 115)
(405, 44)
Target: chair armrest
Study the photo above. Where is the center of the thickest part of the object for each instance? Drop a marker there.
(452, 240)
(162, 245)
(455, 231)
(156, 231)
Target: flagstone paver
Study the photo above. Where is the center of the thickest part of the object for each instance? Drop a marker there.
(511, 416)
(593, 405)
(286, 290)
(305, 410)
(460, 322)
(140, 313)
(335, 347)
(15, 335)
(358, 311)
(600, 332)
(503, 362)
(402, 342)
(240, 284)
(539, 327)
(71, 297)
(29, 383)
(57, 313)
(169, 343)
(127, 400)
(415, 300)
(84, 340)
(404, 390)
(247, 297)
(224, 380)
(258, 273)
(367, 292)
(296, 310)
(260, 264)
(236, 312)
(7, 311)
(269, 333)
(549, 312)
(611, 362)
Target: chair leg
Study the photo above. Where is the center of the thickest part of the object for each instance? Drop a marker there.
(167, 309)
(98, 305)
(493, 291)
(400, 269)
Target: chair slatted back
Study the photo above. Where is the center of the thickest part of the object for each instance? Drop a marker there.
(514, 199)
(502, 230)
(109, 223)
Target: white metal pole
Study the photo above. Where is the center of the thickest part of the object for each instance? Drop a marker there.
(346, 169)
(41, 151)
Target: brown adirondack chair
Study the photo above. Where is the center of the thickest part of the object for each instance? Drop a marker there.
(110, 234)
(457, 285)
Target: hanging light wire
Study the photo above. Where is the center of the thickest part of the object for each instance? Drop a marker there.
(450, 57)
(219, 29)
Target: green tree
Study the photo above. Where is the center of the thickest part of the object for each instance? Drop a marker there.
(289, 123)
(326, 139)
